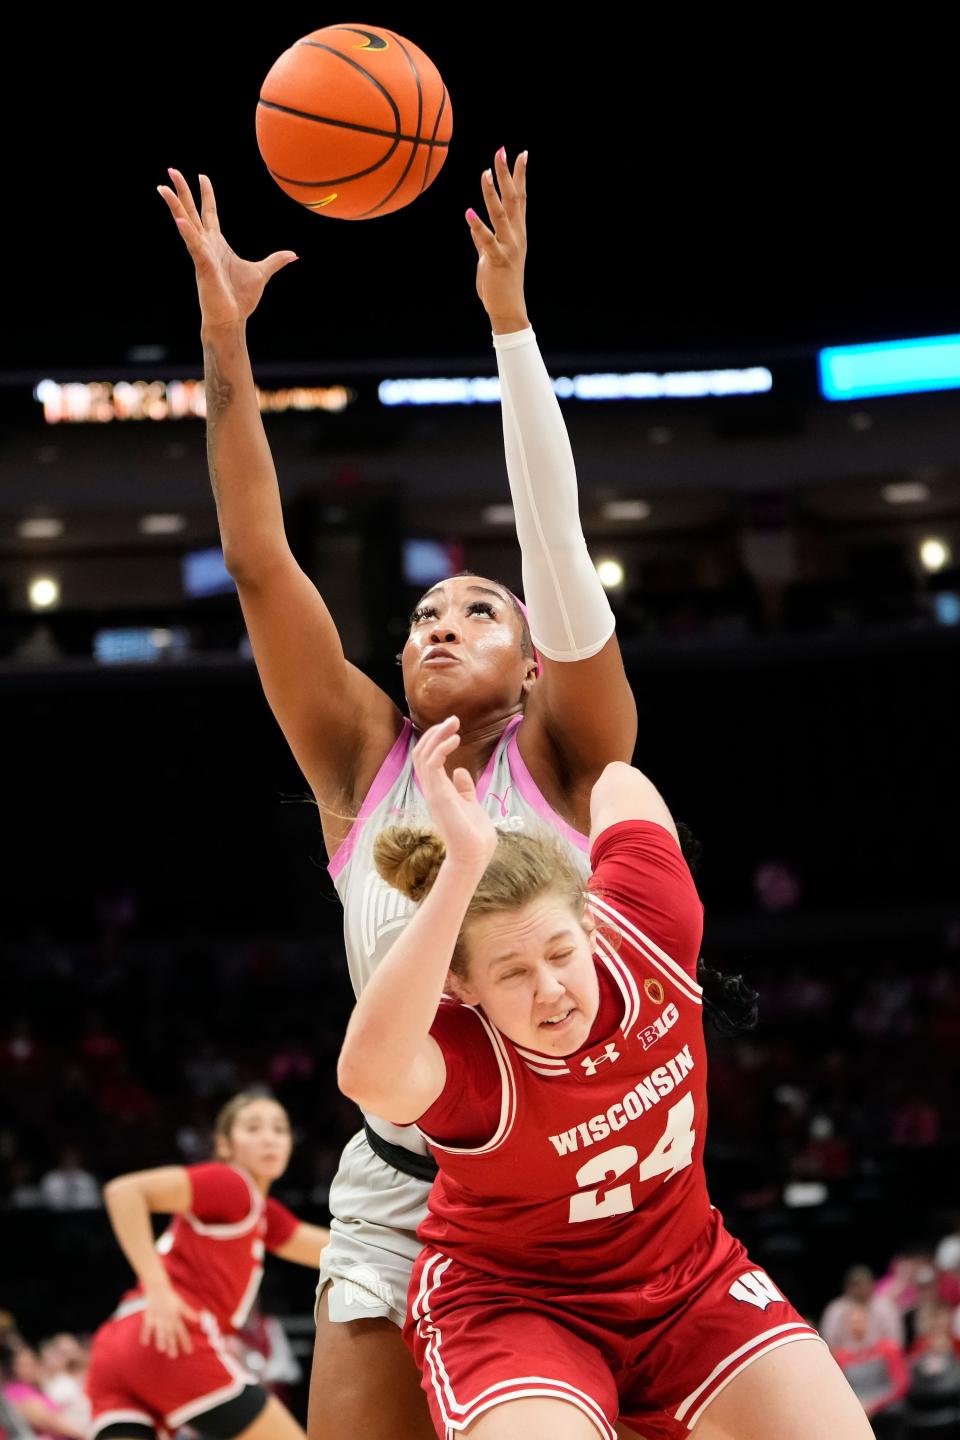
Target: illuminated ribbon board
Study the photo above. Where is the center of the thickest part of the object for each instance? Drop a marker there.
(100, 402)
(642, 385)
(895, 367)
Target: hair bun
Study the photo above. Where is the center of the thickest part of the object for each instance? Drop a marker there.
(409, 857)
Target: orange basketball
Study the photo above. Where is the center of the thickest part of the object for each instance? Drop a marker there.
(354, 121)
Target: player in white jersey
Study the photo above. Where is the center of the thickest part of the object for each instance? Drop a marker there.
(539, 719)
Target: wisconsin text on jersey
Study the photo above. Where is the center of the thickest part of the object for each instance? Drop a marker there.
(642, 1097)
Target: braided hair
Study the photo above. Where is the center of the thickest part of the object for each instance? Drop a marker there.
(729, 1003)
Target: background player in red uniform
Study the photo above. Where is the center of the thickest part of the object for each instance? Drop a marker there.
(574, 1268)
(160, 1361)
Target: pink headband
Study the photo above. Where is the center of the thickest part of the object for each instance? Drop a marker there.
(523, 610)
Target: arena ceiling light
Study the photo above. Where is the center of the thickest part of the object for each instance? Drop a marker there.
(894, 367)
(906, 492)
(611, 573)
(162, 524)
(43, 592)
(935, 554)
(40, 527)
(625, 510)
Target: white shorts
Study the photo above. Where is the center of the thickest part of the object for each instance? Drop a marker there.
(373, 1237)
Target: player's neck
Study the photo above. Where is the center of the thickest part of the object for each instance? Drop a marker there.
(478, 742)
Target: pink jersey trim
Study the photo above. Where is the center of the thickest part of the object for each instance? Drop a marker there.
(504, 743)
(528, 788)
(382, 781)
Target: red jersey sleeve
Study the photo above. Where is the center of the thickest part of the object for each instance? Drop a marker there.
(640, 875)
(221, 1195)
(467, 1112)
(281, 1224)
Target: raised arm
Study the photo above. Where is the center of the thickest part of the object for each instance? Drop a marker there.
(582, 705)
(130, 1201)
(338, 724)
(390, 1064)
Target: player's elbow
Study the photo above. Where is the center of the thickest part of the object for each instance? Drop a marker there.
(353, 1075)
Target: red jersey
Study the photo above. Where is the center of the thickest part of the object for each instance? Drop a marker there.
(214, 1253)
(593, 1162)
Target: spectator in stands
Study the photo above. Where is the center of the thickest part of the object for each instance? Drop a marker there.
(876, 1370)
(63, 1365)
(933, 1400)
(942, 1323)
(883, 1317)
(20, 1376)
(70, 1186)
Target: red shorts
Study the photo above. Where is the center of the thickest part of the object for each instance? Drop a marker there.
(128, 1381)
(653, 1355)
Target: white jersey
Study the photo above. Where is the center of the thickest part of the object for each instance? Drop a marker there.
(373, 912)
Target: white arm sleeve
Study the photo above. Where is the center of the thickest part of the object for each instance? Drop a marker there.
(570, 615)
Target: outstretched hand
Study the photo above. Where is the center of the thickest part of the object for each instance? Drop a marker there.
(465, 828)
(229, 288)
(502, 250)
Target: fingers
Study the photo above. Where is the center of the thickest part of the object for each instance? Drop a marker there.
(208, 205)
(185, 197)
(463, 784)
(482, 236)
(436, 742)
(276, 262)
(152, 1332)
(505, 196)
(491, 198)
(182, 1335)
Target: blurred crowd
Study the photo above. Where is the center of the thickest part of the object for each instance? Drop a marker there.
(42, 1386)
(850, 1074)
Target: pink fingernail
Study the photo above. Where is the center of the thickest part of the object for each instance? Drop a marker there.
(502, 152)
(471, 214)
(488, 176)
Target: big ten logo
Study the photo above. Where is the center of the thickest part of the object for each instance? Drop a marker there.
(655, 1031)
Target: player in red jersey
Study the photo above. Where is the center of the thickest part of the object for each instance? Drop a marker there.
(574, 1270)
(160, 1361)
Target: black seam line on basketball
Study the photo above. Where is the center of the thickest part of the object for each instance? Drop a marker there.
(373, 39)
(348, 60)
(419, 140)
(350, 125)
(436, 127)
(341, 179)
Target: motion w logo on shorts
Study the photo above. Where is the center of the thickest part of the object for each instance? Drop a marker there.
(755, 1288)
(590, 1062)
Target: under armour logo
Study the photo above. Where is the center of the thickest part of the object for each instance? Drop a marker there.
(610, 1052)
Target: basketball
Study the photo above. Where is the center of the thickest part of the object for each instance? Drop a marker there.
(354, 121)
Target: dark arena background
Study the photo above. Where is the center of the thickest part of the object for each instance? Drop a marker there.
(783, 557)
